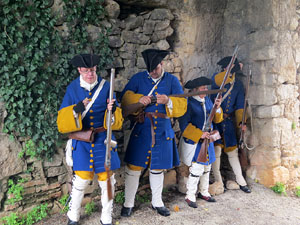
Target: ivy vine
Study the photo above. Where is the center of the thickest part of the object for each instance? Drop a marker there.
(34, 63)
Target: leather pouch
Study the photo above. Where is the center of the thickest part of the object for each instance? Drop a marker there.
(83, 135)
(214, 135)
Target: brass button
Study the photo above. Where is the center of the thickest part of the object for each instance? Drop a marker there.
(149, 151)
(93, 145)
(91, 111)
(91, 123)
(90, 93)
(156, 104)
(156, 110)
(91, 160)
(148, 157)
(155, 122)
(168, 138)
(91, 117)
(90, 99)
(146, 163)
(154, 128)
(72, 148)
(91, 155)
(156, 93)
(91, 166)
(155, 117)
(91, 151)
(156, 87)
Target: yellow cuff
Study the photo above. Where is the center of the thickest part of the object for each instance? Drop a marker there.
(239, 116)
(192, 132)
(66, 121)
(130, 98)
(218, 118)
(118, 120)
(179, 107)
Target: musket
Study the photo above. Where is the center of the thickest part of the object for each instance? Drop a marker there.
(132, 108)
(202, 156)
(241, 145)
(108, 136)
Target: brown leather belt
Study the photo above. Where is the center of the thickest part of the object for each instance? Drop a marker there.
(150, 115)
(99, 129)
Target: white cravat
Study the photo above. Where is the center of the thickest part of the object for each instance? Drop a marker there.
(86, 85)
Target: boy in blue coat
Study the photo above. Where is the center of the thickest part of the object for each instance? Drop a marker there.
(191, 125)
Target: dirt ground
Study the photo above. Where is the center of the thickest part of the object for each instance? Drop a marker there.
(262, 206)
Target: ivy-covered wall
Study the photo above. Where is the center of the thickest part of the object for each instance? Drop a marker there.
(39, 39)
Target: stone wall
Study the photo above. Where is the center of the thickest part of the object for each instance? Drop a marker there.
(266, 33)
(198, 34)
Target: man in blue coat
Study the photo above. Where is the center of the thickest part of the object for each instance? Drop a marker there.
(152, 144)
(84, 107)
(233, 107)
(192, 125)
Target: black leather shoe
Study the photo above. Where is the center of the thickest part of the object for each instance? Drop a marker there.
(126, 211)
(162, 210)
(206, 198)
(104, 223)
(245, 189)
(70, 222)
(191, 204)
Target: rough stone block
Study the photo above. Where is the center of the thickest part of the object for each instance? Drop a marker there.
(261, 54)
(232, 185)
(170, 179)
(133, 22)
(162, 25)
(262, 95)
(112, 9)
(115, 41)
(216, 188)
(56, 161)
(149, 26)
(265, 156)
(269, 111)
(54, 171)
(269, 177)
(162, 45)
(161, 14)
(287, 91)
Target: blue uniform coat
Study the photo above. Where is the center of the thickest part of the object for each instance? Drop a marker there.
(195, 116)
(164, 154)
(90, 156)
(232, 104)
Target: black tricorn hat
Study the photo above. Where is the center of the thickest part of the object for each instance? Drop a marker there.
(153, 57)
(200, 81)
(226, 60)
(85, 60)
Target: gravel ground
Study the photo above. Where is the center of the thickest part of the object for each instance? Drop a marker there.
(262, 206)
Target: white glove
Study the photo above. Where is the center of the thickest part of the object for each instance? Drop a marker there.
(69, 159)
